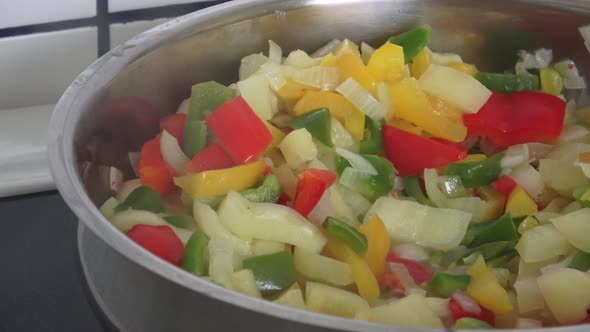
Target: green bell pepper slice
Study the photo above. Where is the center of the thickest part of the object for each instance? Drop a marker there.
(347, 234)
(493, 250)
(181, 221)
(273, 273)
(206, 97)
(377, 185)
(502, 229)
(477, 174)
(414, 189)
(444, 284)
(508, 83)
(195, 258)
(142, 198)
(373, 140)
(412, 41)
(268, 192)
(581, 261)
(318, 123)
(471, 324)
(502, 260)
(195, 137)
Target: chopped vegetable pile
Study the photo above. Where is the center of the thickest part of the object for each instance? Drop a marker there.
(394, 185)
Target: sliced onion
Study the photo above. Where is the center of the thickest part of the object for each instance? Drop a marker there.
(528, 323)
(274, 74)
(466, 303)
(539, 150)
(567, 68)
(326, 49)
(357, 202)
(366, 52)
(573, 132)
(411, 251)
(362, 99)
(115, 179)
(528, 178)
(515, 155)
(172, 153)
(340, 136)
(540, 59)
(125, 220)
(275, 53)
(352, 178)
(398, 184)
(324, 78)
(585, 32)
(357, 162)
(322, 210)
(251, 64)
(385, 99)
(287, 178)
(574, 83)
(562, 264)
(134, 161)
(300, 59)
(445, 58)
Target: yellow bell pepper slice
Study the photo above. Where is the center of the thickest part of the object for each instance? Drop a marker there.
(405, 125)
(466, 68)
(363, 277)
(387, 63)
(413, 105)
(520, 203)
(340, 108)
(222, 181)
(352, 66)
(486, 290)
(379, 243)
(347, 46)
(292, 91)
(420, 63)
(329, 61)
(277, 136)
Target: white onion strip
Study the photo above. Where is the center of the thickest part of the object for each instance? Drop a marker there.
(324, 78)
(172, 153)
(362, 99)
(326, 49)
(467, 303)
(275, 53)
(357, 162)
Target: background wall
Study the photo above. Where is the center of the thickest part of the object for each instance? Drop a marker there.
(43, 46)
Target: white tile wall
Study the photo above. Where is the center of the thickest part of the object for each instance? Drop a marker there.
(122, 32)
(36, 69)
(121, 5)
(25, 12)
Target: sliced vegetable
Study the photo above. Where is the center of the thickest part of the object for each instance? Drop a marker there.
(246, 136)
(408, 221)
(378, 244)
(462, 306)
(581, 262)
(220, 182)
(194, 137)
(370, 186)
(154, 172)
(318, 123)
(274, 273)
(508, 83)
(444, 284)
(298, 147)
(522, 117)
(311, 186)
(412, 310)
(541, 243)
(387, 63)
(210, 158)
(567, 294)
(269, 221)
(142, 198)
(181, 221)
(341, 231)
(551, 81)
(417, 271)
(412, 41)
(160, 241)
(334, 301)
(207, 97)
(362, 99)
(502, 229)
(456, 88)
(172, 153)
(195, 258)
(269, 191)
(486, 290)
(477, 174)
(520, 203)
(373, 138)
(174, 124)
(575, 227)
(318, 267)
(411, 154)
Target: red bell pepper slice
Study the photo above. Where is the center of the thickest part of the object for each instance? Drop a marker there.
(311, 186)
(411, 153)
(521, 117)
(418, 272)
(174, 125)
(210, 158)
(160, 241)
(458, 312)
(130, 121)
(505, 184)
(154, 172)
(241, 132)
